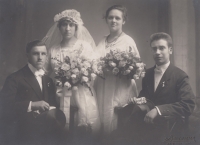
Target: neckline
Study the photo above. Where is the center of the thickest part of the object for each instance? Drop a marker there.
(69, 47)
(110, 44)
(113, 39)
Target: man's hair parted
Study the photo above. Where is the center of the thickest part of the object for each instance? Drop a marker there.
(34, 43)
(161, 35)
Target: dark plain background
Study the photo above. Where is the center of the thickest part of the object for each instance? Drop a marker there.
(22, 21)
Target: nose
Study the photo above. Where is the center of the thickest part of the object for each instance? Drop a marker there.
(67, 27)
(40, 56)
(157, 51)
(114, 20)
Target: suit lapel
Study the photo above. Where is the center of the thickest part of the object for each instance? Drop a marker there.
(164, 79)
(45, 85)
(31, 80)
(150, 82)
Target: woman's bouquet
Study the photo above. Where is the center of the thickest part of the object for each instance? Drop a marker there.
(124, 63)
(75, 70)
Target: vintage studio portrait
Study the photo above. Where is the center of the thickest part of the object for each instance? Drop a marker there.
(99, 72)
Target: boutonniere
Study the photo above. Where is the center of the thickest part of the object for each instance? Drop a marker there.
(163, 84)
(48, 84)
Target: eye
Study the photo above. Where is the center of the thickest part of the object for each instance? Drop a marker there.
(110, 17)
(117, 18)
(35, 53)
(161, 47)
(64, 24)
(44, 53)
(72, 25)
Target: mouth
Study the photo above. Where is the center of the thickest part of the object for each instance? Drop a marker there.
(158, 58)
(113, 25)
(67, 34)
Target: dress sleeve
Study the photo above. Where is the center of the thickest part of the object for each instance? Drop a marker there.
(132, 45)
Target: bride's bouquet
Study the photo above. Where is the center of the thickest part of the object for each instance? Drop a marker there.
(124, 63)
(75, 70)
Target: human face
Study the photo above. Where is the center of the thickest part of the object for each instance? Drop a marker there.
(67, 29)
(161, 51)
(37, 56)
(115, 20)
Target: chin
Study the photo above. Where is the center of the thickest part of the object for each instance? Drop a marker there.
(39, 67)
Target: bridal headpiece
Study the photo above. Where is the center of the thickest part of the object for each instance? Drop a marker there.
(54, 37)
(72, 15)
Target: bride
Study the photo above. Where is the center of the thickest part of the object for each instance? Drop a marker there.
(114, 92)
(67, 37)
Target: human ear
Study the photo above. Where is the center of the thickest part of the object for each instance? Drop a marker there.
(170, 50)
(123, 22)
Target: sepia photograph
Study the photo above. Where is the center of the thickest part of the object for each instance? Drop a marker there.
(99, 72)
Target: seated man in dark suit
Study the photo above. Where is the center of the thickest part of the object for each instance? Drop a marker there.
(28, 104)
(169, 98)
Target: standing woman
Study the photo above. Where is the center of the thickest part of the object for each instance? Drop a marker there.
(114, 91)
(66, 38)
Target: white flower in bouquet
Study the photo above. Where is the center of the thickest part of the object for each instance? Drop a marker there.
(85, 73)
(67, 85)
(86, 64)
(130, 67)
(65, 67)
(83, 69)
(73, 76)
(73, 65)
(112, 64)
(139, 70)
(115, 71)
(118, 56)
(127, 72)
(76, 71)
(58, 83)
(56, 69)
(136, 77)
(140, 65)
(95, 68)
(84, 79)
(93, 76)
(124, 55)
(122, 63)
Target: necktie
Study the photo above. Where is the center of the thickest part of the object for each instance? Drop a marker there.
(39, 74)
(157, 77)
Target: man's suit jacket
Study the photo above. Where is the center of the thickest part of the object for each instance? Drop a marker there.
(173, 96)
(22, 87)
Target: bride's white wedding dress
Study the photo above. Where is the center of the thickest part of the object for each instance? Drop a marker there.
(87, 113)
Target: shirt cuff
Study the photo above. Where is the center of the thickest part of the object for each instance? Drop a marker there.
(29, 107)
(158, 110)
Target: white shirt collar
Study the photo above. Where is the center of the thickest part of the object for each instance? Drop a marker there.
(163, 67)
(33, 69)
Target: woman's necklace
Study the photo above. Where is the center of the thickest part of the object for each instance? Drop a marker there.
(112, 43)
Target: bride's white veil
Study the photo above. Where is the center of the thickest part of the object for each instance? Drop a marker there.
(54, 37)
